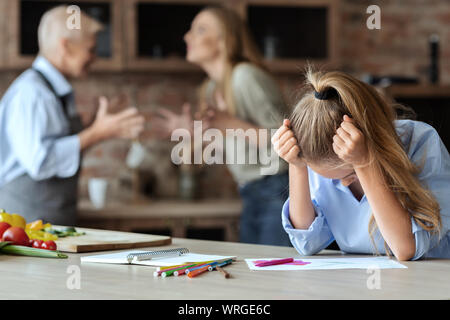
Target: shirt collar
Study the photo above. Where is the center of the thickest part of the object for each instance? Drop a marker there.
(338, 185)
(59, 83)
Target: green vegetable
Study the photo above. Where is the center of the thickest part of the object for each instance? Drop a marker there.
(66, 232)
(4, 243)
(7, 248)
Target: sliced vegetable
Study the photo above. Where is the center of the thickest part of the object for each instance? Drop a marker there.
(35, 225)
(66, 232)
(7, 248)
(40, 235)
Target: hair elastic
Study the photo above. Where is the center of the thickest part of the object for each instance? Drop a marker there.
(326, 94)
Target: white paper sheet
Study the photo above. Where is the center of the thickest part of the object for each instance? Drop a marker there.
(331, 263)
(121, 258)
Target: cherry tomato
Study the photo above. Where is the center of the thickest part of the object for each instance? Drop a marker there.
(49, 245)
(37, 244)
(17, 236)
(3, 227)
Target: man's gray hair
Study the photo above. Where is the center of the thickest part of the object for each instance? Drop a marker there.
(54, 26)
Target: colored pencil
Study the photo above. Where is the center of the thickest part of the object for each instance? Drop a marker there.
(196, 272)
(186, 270)
(199, 266)
(273, 262)
(222, 264)
(179, 272)
(167, 273)
(159, 272)
(162, 268)
(225, 274)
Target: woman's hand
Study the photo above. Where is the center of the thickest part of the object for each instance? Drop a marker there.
(214, 118)
(165, 121)
(127, 124)
(286, 146)
(349, 144)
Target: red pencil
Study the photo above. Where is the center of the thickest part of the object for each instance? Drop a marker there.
(273, 262)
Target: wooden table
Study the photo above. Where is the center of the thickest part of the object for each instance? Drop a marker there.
(38, 278)
(175, 215)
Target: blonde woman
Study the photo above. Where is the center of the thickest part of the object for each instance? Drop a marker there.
(359, 176)
(238, 94)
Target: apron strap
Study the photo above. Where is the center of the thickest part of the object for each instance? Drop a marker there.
(62, 99)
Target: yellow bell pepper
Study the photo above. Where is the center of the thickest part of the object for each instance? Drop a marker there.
(18, 221)
(35, 225)
(47, 225)
(40, 235)
(5, 217)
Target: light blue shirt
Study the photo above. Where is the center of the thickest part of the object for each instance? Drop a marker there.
(341, 217)
(34, 132)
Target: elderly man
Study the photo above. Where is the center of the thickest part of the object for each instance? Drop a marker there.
(41, 135)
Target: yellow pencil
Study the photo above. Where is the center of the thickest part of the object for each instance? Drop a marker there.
(181, 265)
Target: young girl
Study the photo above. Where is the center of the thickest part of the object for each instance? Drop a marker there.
(360, 177)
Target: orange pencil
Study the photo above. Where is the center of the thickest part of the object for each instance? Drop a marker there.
(196, 272)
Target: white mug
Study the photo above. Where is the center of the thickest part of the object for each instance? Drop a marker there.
(135, 155)
(97, 191)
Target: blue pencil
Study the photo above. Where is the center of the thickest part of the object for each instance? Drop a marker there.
(200, 266)
(222, 264)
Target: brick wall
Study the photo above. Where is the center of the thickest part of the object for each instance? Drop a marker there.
(400, 48)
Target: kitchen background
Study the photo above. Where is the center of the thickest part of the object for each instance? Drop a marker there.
(141, 63)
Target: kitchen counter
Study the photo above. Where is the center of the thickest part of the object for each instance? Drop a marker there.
(40, 278)
(175, 215)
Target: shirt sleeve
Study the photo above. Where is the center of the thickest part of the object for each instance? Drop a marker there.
(308, 242)
(36, 133)
(434, 159)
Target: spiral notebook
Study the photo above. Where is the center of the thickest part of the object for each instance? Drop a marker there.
(159, 258)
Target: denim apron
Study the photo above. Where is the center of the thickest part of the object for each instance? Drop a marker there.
(53, 200)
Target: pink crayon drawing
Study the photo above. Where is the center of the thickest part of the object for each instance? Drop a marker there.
(294, 263)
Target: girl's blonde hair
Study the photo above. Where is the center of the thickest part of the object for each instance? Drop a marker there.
(314, 123)
(240, 47)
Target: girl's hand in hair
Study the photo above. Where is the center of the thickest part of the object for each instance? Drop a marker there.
(286, 146)
(349, 143)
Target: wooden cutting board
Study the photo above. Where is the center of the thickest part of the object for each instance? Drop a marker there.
(100, 240)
